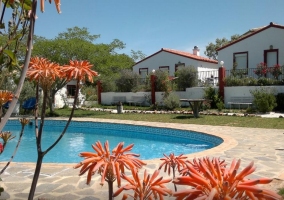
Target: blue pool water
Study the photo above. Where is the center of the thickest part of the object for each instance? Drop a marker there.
(149, 142)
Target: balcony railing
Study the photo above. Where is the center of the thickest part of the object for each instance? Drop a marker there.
(251, 73)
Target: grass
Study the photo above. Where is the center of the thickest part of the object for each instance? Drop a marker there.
(250, 122)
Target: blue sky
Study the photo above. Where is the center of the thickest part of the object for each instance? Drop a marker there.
(149, 25)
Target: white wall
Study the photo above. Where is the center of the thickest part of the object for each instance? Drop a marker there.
(193, 93)
(107, 97)
(242, 91)
(168, 59)
(255, 45)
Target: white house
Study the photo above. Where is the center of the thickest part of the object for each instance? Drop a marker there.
(264, 44)
(170, 60)
(65, 96)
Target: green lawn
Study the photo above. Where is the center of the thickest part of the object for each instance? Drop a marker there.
(252, 122)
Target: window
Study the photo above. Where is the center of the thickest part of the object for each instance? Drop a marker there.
(71, 89)
(179, 65)
(271, 57)
(143, 72)
(164, 68)
(241, 60)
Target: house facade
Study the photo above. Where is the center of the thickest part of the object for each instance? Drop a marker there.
(65, 96)
(264, 44)
(171, 60)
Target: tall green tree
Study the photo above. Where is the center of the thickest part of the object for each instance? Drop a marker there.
(211, 48)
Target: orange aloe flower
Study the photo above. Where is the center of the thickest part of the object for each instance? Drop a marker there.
(79, 70)
(150, 187)
(173, 162)
(43, 71)
(108, 164)
(57, 5)
(5, 96)
(212, 180)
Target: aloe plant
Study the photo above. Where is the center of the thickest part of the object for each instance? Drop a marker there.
(110, 165)
(210, 179)
(150, 187)
(173, 162)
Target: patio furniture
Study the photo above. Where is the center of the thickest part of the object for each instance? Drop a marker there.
(117, 99)
(136, 100)
(240, 101)
(16, 109)
(29, 104)
(195, 105)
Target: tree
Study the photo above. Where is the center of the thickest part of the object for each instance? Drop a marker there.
(44, 73)
(187, 77)
(211, 48)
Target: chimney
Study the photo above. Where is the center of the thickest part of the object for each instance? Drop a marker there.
(196, 51)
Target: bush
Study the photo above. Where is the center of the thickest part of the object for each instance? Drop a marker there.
(171, 102)
(127, 81)
(187, 77)
(90, 92)
(215, 99)
(264, 100)
(163, 83)
(108, 83)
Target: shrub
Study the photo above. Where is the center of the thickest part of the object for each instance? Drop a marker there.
(171, 101)
(264, 100)
(163, 83)
(233, 81)
(187, 77)
(211, 94)
(90, 92)
(127, 81)
(108, 83)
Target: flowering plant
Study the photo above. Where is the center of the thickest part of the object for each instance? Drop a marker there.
(275, 71)
(261, 69)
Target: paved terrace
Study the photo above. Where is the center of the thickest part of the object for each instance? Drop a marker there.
(60, 181)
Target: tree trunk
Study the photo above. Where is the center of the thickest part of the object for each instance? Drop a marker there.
(36, 176)
(110, 190)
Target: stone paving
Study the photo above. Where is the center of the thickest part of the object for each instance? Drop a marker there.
(60, 181)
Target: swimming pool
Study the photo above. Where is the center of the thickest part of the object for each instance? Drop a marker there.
(149, 142)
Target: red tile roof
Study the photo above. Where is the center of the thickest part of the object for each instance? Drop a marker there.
(182, 53)
(250, 33)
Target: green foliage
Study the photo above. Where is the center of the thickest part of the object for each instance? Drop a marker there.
(28, 90)
(281, 192)
(215, 99)
(163, 83)
(171, 101)
(220, 105)
(90, 92)
(262, 81)
(250, 81)
(264, 100)
(187, 77)
(211, 48)
(104, 57)
(128, 81)
(108, 83)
